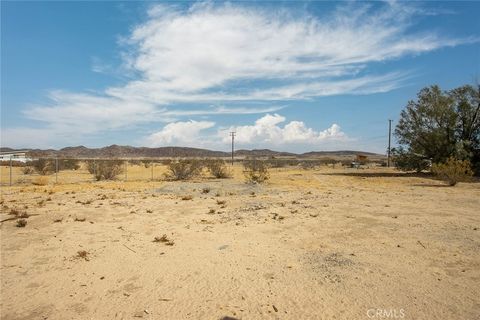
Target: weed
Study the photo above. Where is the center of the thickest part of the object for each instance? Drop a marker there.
(164, 239)
(255, 171)
(14, 212)
(217, 168)
(453, 171)
(183, 169)
(82, 254)
(40, 181)
(21, 223)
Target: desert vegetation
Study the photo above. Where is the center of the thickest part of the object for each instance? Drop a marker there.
(453, 171)
(217, 168)
(105, 169)
(255, 171)
(439, 125)
(183, 169)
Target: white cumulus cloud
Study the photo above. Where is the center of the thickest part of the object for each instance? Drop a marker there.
(179, 133)
(269, 131)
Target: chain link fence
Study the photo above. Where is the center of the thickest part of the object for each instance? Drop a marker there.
(44, 171)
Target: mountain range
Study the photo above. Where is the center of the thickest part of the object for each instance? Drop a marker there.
(116, 151)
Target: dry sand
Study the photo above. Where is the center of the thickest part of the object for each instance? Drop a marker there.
(320, 244)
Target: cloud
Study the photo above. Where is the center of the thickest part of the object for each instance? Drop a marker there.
(179, 133)
(268, 131)
(220, 58)
(211, 52)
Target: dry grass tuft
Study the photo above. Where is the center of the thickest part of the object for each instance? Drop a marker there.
(164, 239)
(82, 254)
(21, 223)
(40, 181)
(14, 211)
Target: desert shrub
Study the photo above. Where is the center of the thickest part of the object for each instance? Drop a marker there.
(21, 223)
(27, 170)
(43, 166)
(146, 163)
(90, 166)
(217, 168)
(255, 171)
(68, 164)
(307, 164)
(135, 162)
(183, 169)
(105, 169)
(15, 163)
(276, 163)
(40, 181)
(453, 171)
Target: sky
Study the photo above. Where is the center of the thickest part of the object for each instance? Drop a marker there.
(289, 76)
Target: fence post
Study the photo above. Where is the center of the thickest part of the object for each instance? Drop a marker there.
(151, 165)
(94, 170)
(126, 170)
(56, 170)
(10, 170)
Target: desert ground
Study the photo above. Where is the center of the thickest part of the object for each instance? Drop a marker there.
(310, 244)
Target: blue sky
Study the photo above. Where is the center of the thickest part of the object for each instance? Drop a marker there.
(293, 76)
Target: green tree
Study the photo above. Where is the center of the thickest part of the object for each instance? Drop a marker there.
(438, 125)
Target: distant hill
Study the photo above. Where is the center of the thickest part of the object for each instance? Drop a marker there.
(263, 153)
(340, 153)
(116, 151)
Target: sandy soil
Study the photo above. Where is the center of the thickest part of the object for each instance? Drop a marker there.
(323, 244)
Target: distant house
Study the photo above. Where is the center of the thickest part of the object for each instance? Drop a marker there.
(360, 159)
(20, 156)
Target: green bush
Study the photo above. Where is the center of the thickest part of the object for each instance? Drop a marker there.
(255, 171)
(453, 171)
(105, 169)
(183, 169)
(43, 166)
(217, 168)
(68, 164)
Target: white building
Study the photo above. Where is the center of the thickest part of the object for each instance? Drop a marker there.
(20, 155)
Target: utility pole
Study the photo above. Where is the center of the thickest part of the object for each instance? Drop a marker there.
(389, 141)
(232, 134)
(10, 170)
